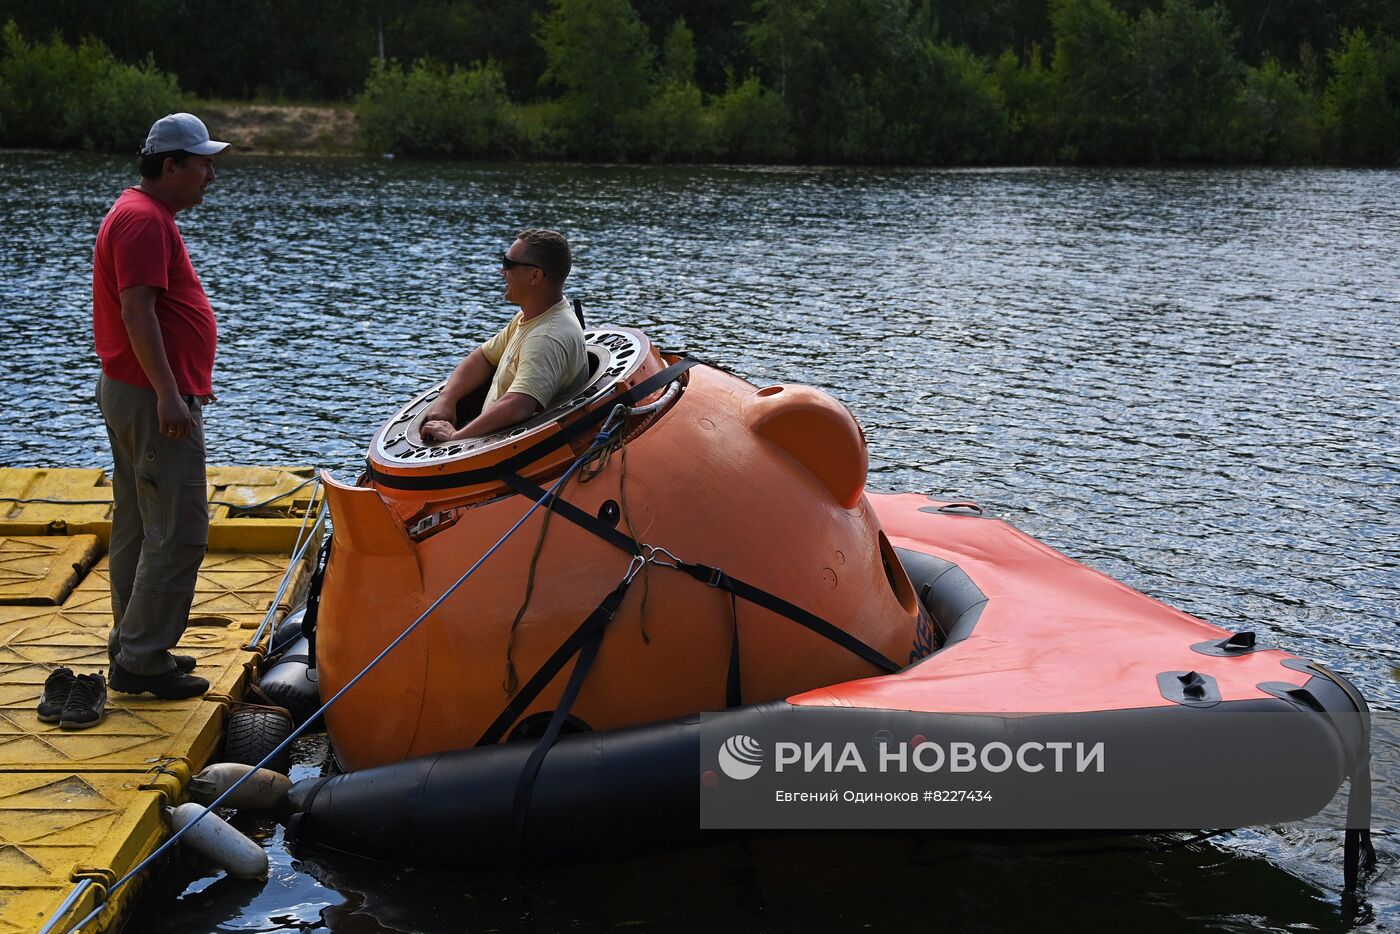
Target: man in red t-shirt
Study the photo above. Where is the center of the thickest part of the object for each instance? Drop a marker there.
(154, 332)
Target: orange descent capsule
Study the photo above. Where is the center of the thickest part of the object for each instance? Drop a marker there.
(764, 485)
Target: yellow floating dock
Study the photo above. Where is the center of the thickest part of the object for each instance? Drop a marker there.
(85, 804)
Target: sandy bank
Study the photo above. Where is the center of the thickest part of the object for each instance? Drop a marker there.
(282, 129)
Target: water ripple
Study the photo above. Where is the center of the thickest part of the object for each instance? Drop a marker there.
(1185, 378)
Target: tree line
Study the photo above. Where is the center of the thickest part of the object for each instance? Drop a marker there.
(847, 81)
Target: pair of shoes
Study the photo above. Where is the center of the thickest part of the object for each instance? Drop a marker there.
(86, 705)
(56, 689)
(168, 685)
(73, 702)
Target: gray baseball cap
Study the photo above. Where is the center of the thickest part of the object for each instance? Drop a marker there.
(181, 131)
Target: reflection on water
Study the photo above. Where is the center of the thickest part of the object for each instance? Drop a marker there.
(1184, 378)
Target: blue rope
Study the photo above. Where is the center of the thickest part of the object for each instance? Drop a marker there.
(601, 438)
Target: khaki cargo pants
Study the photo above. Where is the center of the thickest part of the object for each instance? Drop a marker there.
(160, 526)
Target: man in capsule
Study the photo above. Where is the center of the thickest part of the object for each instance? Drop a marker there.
(533, 362)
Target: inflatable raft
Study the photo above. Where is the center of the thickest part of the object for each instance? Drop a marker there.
(706, 561)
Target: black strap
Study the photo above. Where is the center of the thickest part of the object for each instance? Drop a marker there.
(590, 627)
(524, 789)
(584, 642)
(1357, 851)
(574, 514)
(710, 575)
(300, 819)
(313, 595)
(604, 531)
(578, 313)
(529, 455)
(717, 578)
(733, 687)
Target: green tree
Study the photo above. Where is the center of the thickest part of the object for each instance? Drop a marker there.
(674, 124)
(1275, 119)
(599, 53)
(459, 32)
(52, 94)
(837, 66)
(1185, 79)
(1030, 93)
(1361, 106)
(752, 124)
(719, 44)
(940, 106)
(678, 55)
(1093, 53)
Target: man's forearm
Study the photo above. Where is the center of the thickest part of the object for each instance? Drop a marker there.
(511, 409)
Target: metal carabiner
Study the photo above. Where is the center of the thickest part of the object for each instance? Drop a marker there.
(633, 567)
(657, 552)
(616, 417)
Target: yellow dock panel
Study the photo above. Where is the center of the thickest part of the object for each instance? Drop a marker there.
(75, 497)
(43, 569)
(85, 804)
(79, 501)
(58, 827)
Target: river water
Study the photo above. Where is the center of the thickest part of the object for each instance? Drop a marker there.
(1184, 378)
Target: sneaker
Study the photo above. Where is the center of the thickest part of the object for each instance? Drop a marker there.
(168, 685)
(87, 703)
(56, 688)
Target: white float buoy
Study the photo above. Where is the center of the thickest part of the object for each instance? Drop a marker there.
(264, 790)
(215, 838)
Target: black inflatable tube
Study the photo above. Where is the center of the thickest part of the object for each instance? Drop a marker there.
(616, 792)
(636, 790)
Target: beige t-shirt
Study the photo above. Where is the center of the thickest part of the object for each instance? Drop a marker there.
(542, 358)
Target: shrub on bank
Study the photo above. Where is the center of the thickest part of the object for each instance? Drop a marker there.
(1361, 107)
(434, 110)
(52, 94)
(1029, 92)
(752, 124)
(673, 126)
(1275, 120)
(963, 117)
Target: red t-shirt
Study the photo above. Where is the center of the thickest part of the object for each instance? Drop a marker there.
(139, 244)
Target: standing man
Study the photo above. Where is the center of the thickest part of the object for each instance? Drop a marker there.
(155, 334)
(534, 361)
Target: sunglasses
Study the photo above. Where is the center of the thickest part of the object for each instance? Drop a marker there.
(508, 263)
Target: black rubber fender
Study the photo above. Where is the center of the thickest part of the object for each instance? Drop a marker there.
(292, 682)
(288, 631)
